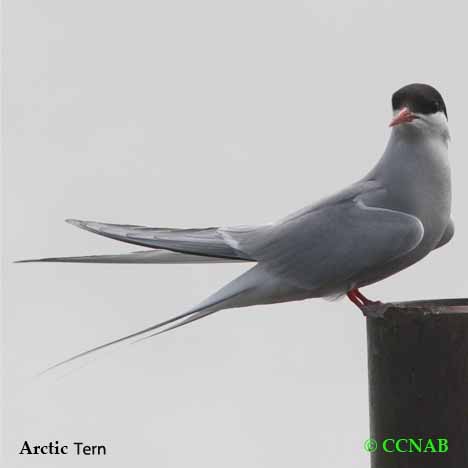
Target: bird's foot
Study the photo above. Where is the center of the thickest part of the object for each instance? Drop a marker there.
(367, 306)
(356, 297)
(363, 298)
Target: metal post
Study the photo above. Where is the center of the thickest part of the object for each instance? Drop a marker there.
(418, 384)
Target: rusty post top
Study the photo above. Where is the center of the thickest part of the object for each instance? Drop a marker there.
(424, 308)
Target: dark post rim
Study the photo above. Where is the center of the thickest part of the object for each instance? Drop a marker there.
(426, 307)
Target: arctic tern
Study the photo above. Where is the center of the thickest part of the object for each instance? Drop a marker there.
(388, 220)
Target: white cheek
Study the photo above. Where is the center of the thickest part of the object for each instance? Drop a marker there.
(438, 119)
(433, 122)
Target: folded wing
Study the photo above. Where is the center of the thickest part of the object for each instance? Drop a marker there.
(333, 243)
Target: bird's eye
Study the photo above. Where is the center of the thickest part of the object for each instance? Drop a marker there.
(436, 106)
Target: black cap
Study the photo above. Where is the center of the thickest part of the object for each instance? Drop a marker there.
(420, 98)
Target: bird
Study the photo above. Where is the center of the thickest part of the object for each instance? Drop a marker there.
(385, 222)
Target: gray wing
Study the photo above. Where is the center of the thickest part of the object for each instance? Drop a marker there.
(208, 242)
(333, 243)
(155, 256)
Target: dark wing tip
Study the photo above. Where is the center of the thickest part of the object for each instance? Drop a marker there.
(76, 222)
(33, 260)
(43, 260)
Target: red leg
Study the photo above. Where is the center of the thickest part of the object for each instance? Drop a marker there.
(363, 298)
(352, 296)
(359, 299)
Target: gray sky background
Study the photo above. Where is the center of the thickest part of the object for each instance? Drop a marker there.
(192, 114)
